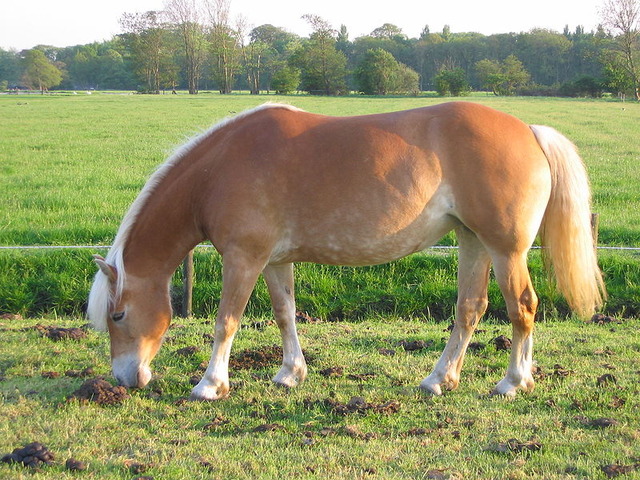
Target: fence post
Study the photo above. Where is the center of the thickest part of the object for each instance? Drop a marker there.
(595, 220)
(187, 286)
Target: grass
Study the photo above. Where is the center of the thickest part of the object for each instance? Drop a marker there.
(464, 434)
(71, 166)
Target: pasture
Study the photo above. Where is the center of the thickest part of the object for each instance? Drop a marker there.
(70, 168)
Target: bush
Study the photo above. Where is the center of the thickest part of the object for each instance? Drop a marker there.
(286, 80)
(585, 86)
(452, 82)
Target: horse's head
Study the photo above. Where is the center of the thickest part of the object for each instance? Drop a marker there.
(137, 313)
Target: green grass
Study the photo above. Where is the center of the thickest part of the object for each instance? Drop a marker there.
(463, 432)
(71, 166)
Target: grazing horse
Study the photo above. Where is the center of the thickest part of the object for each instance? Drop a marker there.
(276, 185)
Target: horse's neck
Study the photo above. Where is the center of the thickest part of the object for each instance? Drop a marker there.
(163, 234)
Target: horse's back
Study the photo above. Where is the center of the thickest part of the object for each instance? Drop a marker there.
(368, 189)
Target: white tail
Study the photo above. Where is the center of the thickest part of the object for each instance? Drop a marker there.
(566, 230)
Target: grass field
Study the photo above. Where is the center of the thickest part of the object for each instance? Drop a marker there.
(581, 418)
(71, 165)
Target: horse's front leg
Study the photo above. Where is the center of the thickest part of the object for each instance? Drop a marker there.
(279, 280)
(239, 278)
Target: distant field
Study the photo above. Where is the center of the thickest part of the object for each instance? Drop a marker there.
(71, 165)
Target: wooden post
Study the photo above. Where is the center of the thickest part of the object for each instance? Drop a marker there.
(187, 286)
(595, 220)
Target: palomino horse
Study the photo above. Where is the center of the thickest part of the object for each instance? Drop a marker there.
(276, 185)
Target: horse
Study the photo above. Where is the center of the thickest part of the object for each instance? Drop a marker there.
(276, 185)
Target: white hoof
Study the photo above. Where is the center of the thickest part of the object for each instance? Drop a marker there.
(509, 387)
(206, 392)
(430, 387)
(290, 378)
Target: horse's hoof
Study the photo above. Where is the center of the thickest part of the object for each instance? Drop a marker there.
(209, 393)
(431, 388)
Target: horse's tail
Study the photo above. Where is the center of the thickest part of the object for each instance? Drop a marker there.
(566, 234)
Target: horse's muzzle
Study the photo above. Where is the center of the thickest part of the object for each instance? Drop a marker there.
(130, 372)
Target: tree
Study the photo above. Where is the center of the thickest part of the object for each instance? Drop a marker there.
(388, 30)
(322, 66)
(187, 16)
(622, 17)
(9, 69)
(253, 57)
(147, 39)
(376, 73)
(286, 80)
(277, 45)
(452, 81)
(379, 73)
(39, 71)
(502, 78)
(224, 45)
(545, 54)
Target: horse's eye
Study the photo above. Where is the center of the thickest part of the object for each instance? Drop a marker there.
(117, 316)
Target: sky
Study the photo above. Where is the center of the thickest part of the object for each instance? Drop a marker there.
(64, 23)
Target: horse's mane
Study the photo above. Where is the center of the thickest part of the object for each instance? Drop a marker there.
(102, 296)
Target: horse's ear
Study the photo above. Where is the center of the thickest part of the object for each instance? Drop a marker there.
(108, 270)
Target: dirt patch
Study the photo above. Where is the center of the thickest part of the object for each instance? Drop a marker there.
(256, 359)
(561, 372)
(99, 391)
(85, 372)
(136, 467)
(361, 377)
(60, 333)
(502, 343)
(268, 427)
(612, 471)
(602, 319)
(332, 372)
(360, 406)
(514, 445)
(596, 422)
(476, 346)
(217, 422)
(304, 317)
(187, 351)
(354, 431)
(415, 345)
(606, 379)
(33, 455)
(75, 465)
(259, 358)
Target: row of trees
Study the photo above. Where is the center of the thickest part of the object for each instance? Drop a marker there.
(194, 45)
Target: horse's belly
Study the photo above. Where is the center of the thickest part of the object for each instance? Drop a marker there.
(358, 239)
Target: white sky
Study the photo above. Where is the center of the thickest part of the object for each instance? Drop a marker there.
(63, 23)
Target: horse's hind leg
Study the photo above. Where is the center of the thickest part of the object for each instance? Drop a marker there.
(473, 278)
(239, 276)
(279, 280)
(512, 275)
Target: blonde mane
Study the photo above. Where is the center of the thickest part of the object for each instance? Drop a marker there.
(102, 296)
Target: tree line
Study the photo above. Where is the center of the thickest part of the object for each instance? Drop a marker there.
(194, 45)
